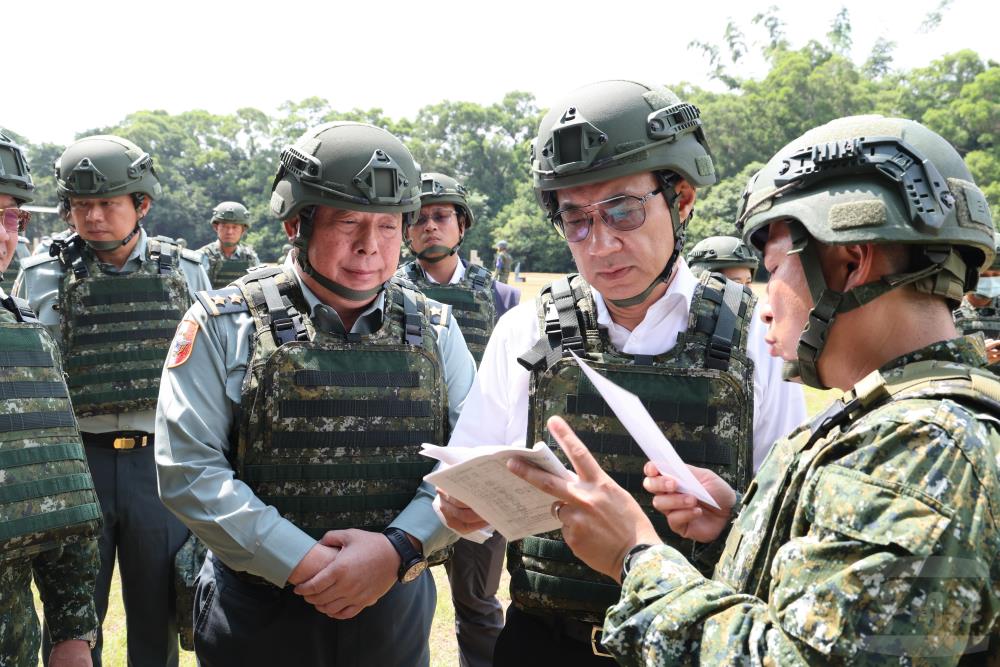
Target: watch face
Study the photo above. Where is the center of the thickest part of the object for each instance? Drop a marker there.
(414, 571)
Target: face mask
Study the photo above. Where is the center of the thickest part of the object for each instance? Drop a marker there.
(988, 288)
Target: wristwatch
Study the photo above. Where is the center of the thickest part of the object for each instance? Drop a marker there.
(630, 556)
(89, 637)
(411, 562)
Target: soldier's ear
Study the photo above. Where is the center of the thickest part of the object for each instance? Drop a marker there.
(687, 195)
(292, 227)
(856, 265)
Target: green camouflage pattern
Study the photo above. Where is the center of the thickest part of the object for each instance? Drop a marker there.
(65, 579)
(471, 301)
(706, 413)
(117, 328)
(187, 564)
(331, 428)
(969, 319)
(47, 496)
(223, 270)
(874, 543)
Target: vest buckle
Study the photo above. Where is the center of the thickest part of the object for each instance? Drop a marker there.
(595, 642)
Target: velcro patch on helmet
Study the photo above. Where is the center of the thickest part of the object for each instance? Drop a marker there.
(277, 203)
(704, 165)
(183, 343)
(853, 215)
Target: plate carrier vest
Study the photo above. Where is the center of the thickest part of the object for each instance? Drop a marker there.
(331, 425)
(47, 496)
(700, 393)
(117, 328)
(471, 301)
(969, 319)
(223, 270)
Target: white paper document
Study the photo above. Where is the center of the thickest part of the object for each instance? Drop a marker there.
(640, 425)
(478, 477)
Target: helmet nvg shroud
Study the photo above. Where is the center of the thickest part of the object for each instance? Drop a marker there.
(612, 129)
(870, 179)
(344, 165)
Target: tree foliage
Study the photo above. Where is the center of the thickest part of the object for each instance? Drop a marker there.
(204, 158)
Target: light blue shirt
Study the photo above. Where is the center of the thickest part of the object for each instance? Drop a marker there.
(196, 412)
(38, 282)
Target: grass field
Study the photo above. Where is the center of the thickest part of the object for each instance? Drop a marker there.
(444, 649)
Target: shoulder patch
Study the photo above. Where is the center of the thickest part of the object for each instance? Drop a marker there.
(183, 343)
(223, 301)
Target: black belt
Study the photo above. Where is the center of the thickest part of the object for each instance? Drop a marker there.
(118, 440)
(581, 631)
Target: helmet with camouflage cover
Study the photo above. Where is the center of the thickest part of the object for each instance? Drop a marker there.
(721, 252)
(15, 174)
(871, 179)
(611, 129)
(232, 212)
(438, 188)
(103, 166)
(346, 165)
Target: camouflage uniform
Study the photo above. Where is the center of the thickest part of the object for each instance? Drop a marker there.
(223, 270)
(503, 265)
(821, 565)
(969, 319)
(65, 574)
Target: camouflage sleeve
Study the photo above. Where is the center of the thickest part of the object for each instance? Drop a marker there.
(874, 569)
(65, 579)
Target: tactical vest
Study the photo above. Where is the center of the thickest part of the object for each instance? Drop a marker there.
(471, 301)
(47, 496)
(117, 328)
(771, 506)
(969, 319)
(331, 425)
(700, 393)
(223, 270)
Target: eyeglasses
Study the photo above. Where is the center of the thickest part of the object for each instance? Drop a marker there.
(439, 218)
(14, 219)
(622, 213)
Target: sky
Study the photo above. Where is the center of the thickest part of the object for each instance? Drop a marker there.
(79, 66)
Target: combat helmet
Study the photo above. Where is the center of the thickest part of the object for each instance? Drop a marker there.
(611, 129)
(15, 174)
(438, 188)
(721, 252)
(232, 212)
(346, 165)
(871, 179)
(103, 166)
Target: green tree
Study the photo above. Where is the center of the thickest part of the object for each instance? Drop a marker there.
(532, 239)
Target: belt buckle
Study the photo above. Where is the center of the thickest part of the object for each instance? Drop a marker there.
(129, 443)
(595, 642)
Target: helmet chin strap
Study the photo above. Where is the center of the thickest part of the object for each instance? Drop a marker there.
(301, 242)
(107, 246)
(226, 244)
(680, 232)
(828, 303)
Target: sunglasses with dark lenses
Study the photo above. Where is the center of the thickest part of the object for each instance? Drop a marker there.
(622, 213)
(14, 219)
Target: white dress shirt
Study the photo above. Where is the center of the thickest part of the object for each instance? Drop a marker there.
(496, 409)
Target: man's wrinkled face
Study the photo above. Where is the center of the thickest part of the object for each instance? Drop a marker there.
(355, 249)
(788, 299)
(229, 233)
(435, 225)
(104, 218)
(8, 239)
(621, 264)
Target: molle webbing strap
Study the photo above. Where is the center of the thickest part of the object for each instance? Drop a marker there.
(32, 389)
(366, 439)
(343, 471)
(103, 377)
(724, 337)
(562, 329)
(663, 411)
(696, 452)
(13, 493)
(306, 378)
(76, 515)
(353, 408)
(412, 320)
(15, 458)
(29, 421)
(20, 309)
(110, 291)
(123, 336)
(36, 359)
(286, 324)
(477, 276)
(127, 316)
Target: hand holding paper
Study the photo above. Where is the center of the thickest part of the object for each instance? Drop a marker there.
(640, 425)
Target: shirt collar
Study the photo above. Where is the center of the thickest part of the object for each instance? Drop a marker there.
(134, 260)
(679, 291)
(456, 277)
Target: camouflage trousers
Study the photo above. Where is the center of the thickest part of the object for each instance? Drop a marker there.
(20, 635)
